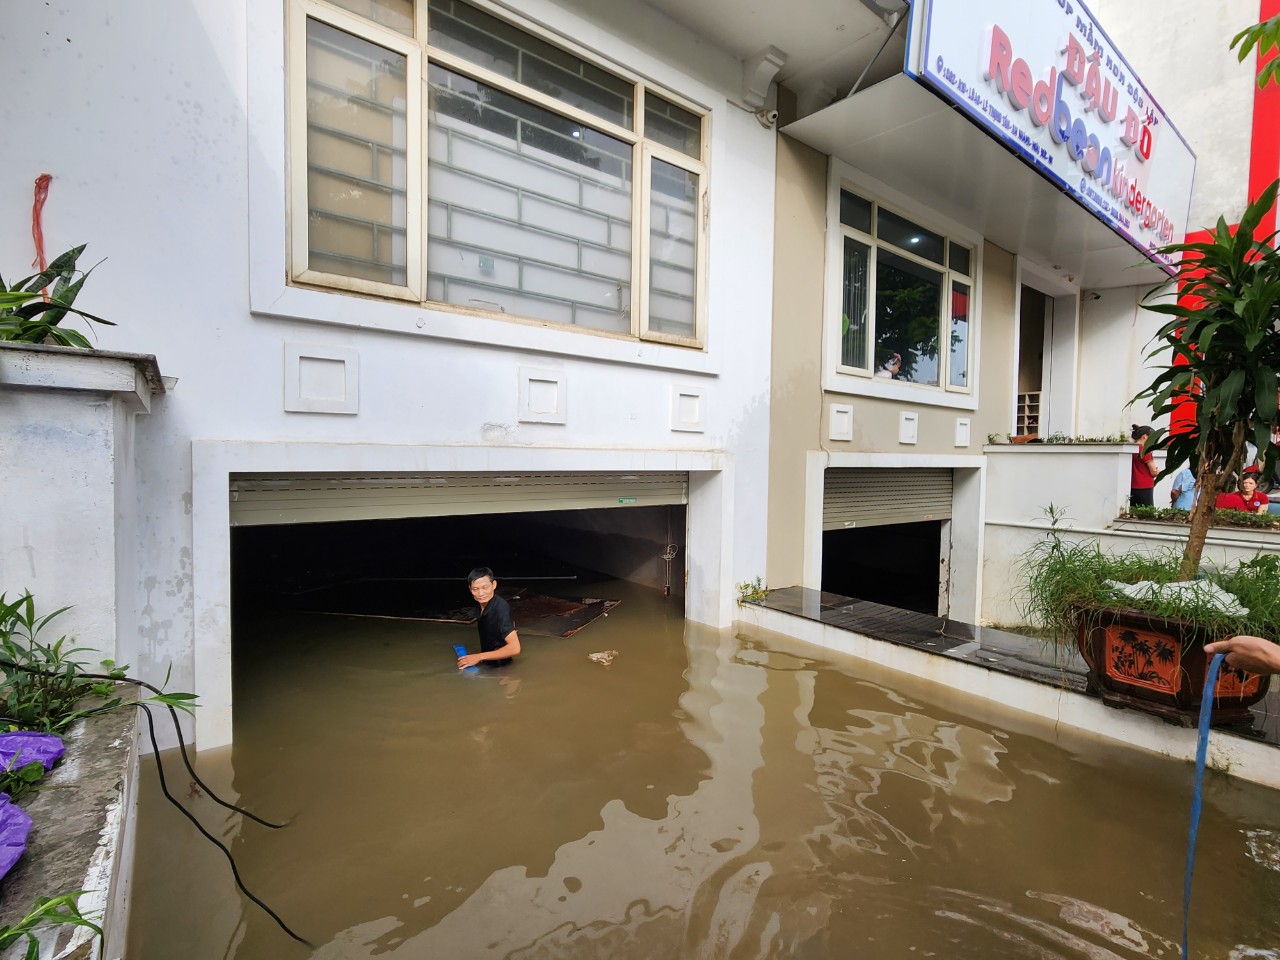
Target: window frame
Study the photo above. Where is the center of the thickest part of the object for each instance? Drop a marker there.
(419, 54)
(842, 379)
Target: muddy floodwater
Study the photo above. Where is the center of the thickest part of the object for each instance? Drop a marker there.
(707, 794)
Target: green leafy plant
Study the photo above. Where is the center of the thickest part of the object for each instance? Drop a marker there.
(18, 781)
(43, 697)
(1224, 337)
(1066, 580)
(1222, 518)
(48, 912)
(1265, 36)
(42, 684)
(32, 313)
(1081, 438)
(752, 590)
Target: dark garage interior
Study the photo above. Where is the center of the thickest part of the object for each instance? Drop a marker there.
(898, 565)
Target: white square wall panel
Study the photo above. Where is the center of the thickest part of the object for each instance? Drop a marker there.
(840, 421)
(321, 379)
(544, 396)
(962, 431)
(908, 427)
(688, 409)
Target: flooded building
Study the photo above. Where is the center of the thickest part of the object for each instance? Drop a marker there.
(966, 231)
(638, 284)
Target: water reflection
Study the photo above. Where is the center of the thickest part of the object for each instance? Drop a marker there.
(705, 796)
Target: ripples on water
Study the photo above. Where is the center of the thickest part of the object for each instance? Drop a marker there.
(705, 795)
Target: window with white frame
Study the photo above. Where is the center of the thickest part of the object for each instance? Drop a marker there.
(444, 155)
(906, 296)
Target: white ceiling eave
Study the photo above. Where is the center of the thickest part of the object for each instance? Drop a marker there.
(903, 135)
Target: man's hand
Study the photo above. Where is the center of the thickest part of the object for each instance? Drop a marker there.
(1250, 654)
(470, 660)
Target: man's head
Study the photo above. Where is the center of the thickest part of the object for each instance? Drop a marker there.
(481, 583)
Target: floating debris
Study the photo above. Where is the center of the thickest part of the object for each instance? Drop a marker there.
(604, 657)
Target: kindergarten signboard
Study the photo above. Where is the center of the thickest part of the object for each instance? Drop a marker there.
(1042, 77)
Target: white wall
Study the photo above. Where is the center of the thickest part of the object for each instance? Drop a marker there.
(58, 538)
(166, 150)
(1114, 328)
(1180, 50)
(1088, 483)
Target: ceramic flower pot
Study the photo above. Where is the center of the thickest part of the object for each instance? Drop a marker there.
(1158, 665)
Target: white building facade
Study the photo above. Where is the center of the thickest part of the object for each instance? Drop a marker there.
(455, 251)
(424, 258)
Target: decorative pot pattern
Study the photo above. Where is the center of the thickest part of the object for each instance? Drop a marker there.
(1158, 665)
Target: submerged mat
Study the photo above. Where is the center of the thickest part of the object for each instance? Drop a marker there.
(557, 616)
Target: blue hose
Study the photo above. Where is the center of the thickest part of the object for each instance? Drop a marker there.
(1202, 748)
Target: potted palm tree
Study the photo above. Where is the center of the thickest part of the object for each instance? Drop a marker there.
(1144, 645)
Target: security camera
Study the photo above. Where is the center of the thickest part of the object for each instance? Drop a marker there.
(767, 118)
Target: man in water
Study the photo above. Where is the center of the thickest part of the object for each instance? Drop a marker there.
(499, 641)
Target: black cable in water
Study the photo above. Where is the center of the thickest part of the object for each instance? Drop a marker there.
(235, 872)
(177, 729)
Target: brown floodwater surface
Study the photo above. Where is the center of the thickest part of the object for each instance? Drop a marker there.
(708, 794)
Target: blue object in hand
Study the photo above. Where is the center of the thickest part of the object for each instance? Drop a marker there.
(461, 651)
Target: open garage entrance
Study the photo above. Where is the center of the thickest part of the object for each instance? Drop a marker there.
(401, 546)
(886, 536)
(895, 564)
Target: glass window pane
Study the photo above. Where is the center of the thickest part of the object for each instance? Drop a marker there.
(959, 375)
(909, 236)
(357, 176)
(853, 321)
(529, 213)
(396, 14)
(672, 126)
(673, 250)
(855, 212)
(908, 304)
(958, 257)
(495, 44)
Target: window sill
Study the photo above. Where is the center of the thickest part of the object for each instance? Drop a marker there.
(415, 320)
(881, 388)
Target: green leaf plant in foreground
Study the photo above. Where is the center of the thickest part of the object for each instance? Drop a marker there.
(47, 912)
(30, 312)
(1265, 36)
(1224, 335)
(43, 686)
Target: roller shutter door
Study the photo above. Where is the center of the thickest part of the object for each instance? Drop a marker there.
(869, 497)
(320, 498)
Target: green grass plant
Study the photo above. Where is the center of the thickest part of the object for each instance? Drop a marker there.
(1067, 578)
(48, 912)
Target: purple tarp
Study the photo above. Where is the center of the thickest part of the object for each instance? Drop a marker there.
(14, 827)
(16, 751)
(25, 746)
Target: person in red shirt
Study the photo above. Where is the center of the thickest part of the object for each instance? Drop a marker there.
(1247, 498)
(1143, 482)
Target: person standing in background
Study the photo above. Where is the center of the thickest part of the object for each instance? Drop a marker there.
(1183, 494)
(1142, 485)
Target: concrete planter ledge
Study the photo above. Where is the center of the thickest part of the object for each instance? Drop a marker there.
(1239, 537)
(82, 837)
(1024, 448)
(133, 377)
